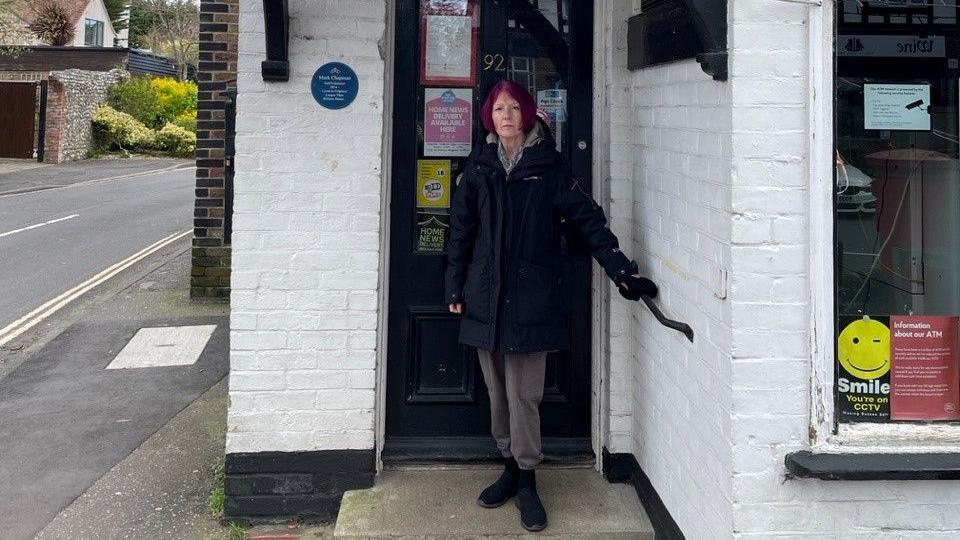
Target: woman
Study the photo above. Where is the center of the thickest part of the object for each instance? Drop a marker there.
(503, 276)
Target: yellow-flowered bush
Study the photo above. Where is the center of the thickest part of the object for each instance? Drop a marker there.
(174, 98)
(154, 101)
(117, 130)
(176, 140)
(187, 121)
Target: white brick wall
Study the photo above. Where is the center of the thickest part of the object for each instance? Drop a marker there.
(720, 186)
(306, 237)
(669, 202)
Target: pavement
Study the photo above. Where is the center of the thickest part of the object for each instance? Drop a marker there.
(74, 434)
(24, 175)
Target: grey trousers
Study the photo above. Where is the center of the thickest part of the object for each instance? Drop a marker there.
(515, 384)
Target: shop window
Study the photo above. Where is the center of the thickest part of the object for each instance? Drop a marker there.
(897, 211)
(93, 33)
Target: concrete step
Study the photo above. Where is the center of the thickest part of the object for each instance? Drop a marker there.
(436, 503)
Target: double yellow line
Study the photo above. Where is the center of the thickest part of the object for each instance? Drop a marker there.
(50, 307)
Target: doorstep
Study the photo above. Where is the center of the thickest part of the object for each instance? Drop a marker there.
(432, 503)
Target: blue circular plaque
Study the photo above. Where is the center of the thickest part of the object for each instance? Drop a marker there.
(334, 85)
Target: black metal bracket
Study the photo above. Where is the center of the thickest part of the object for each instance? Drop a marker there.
(277, 33)
(683, 328)
(669, 30)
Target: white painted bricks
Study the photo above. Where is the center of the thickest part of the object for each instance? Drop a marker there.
(306, 240)
(720, 179)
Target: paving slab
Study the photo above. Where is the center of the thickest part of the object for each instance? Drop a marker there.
(433, 504)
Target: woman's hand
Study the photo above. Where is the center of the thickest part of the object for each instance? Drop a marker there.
(635, 286)
(456, 308)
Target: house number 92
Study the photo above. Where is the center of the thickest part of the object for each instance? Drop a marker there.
(494, 62)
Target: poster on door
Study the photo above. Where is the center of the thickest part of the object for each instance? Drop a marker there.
(432, 232)
(448, 42)
(924, 373)
(863, 371)
(447, 121)
(433, 183)
(554, 103)
(896, 107)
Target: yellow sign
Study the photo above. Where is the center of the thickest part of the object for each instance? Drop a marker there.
(864, 349)
(433, 183)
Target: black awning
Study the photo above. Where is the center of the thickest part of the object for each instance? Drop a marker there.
(669, 30)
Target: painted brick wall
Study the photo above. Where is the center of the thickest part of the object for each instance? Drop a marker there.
(616, 192)
(771, 312)
(670, 161)
(217, 72)
(306, 237)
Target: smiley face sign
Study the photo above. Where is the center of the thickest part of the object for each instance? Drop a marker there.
(864, 349)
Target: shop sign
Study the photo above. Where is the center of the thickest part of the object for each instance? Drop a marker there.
(924, 376)
(863, 377)
(896, 106)
(891, 46)
(334, 85)
(447, 121)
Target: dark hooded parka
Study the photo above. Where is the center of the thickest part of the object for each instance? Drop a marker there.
(504, 251)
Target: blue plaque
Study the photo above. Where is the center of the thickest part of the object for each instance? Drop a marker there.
(334, 85)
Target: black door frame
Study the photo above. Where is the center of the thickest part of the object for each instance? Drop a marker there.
(404, 15)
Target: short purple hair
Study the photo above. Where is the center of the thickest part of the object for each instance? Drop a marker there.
(528, 108)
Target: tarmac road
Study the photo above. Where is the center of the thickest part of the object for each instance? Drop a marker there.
(54, 239)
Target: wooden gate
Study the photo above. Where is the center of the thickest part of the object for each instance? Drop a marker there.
(17, 119)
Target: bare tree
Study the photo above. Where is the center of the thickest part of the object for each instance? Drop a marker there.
(176, 31)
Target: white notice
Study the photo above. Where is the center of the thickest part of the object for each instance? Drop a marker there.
(896, 106)
(448, 45)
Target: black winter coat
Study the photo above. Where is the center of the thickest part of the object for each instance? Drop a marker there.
(504, 251)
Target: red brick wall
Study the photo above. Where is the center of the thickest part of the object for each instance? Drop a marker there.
(217, 72)
(56, 122)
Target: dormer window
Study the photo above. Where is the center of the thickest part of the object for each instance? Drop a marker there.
(93, 33)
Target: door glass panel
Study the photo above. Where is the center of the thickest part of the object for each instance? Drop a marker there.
(538, 48)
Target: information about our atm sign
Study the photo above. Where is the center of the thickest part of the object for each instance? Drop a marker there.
(334, 85)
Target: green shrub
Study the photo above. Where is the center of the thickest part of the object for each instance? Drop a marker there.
(155, 101)
(117, 130)
(136, 97)
(176, 140)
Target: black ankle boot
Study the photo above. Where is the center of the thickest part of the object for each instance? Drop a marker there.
(532, 515)
(505, 487)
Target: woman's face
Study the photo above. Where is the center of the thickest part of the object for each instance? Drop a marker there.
(506, 116)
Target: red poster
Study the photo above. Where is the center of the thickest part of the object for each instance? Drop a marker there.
(923, 378)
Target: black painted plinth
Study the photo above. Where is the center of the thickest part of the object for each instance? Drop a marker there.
(273, 486)
(624, 469)
(806, 464)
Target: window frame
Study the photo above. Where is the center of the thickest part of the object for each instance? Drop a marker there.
(826, 433)
(98, 28)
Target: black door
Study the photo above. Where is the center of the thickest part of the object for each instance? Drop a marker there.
(437, 405)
